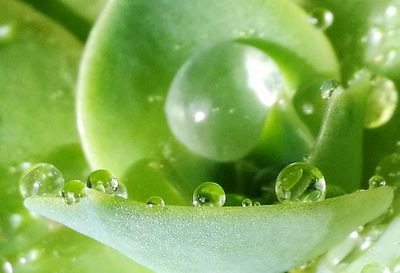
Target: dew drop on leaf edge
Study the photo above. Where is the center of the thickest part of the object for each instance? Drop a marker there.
(300, 182)
(209, 194)
(103, 181)
(153, 201)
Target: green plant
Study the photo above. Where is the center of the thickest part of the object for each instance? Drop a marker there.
(172, 94)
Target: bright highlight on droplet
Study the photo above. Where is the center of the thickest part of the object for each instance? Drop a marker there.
(209, 194)
(41, 180)
(300, 182)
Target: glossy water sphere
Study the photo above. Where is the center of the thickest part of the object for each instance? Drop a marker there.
(155, 201)
(219, 100)
(42, 180)
(102, 180)
(209, 194)
(300, 182)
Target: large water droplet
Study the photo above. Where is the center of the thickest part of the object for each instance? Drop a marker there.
(41, 180)
(209, 194)
(389, 169)
(300, 182)
(329, 88)
(154, 201)
(219, 99)
(321, 18)
(382, 102)
(102, 180)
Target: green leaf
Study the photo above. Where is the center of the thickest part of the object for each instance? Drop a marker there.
(191, 239)
(138, 46)
(341, 135)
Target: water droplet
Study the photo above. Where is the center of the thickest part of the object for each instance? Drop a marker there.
(300, 182)
(247, 203)
(209, 194)
(321, 18)
(102, 180)
(308, 108)
(375, 268)
(382, 102)
(41, 180)
(122, 191)
(155, 201)
(7, 267)
(330, 87)
(376, 181)
(73, 191)
(389, 169)
(244, 74)
(257, 204)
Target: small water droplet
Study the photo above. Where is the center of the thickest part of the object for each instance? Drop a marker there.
(154, 201)
(300, 182)
(376, 181)
(257, 204)
(7, 267)
(41, 180)
(73, 191)
(122, 191)
(329, 88)
(247, 202)
(209, 194)
(321, 18)
(102, 180)
(382, 102)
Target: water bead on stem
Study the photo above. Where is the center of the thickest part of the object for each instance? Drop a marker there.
(300, 182)
(209, 194)
(102, 180)
(329, 87)
(41, 180)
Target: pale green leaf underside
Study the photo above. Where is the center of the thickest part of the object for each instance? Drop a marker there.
(227, 239)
